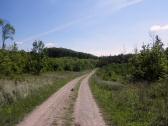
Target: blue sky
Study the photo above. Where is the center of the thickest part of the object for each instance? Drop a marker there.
(100, 27)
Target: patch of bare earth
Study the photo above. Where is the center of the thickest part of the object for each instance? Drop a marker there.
(86, 109)
(52, 111)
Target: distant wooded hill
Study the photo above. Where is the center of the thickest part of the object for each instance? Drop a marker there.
(63, 52)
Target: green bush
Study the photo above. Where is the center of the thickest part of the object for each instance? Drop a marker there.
(20, 62)
(151, 63)
(68, 64)
(115, 72)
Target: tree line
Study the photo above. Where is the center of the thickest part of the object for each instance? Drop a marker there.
(116, 59)
(62, 52)
(39, 59)
(148, 64)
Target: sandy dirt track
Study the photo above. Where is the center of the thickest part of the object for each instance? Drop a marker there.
(86, 109)
(50, 112)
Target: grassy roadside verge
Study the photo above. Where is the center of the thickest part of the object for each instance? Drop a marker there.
(116, 103)
(131, 105)
(14, 110)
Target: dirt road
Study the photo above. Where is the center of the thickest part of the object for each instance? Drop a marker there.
(53, 111)
(50, 112)
(86, 110)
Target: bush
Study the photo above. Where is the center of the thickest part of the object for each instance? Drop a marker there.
(115, 72)
(68, 64)
(151, 63)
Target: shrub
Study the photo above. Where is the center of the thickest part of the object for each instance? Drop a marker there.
(151, 63)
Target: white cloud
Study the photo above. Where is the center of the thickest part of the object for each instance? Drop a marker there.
(56, 29)
(116, 4)
(127, 3)
(158, 28)
(50, 44)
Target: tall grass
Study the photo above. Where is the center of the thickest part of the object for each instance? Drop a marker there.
(132, 104)
(18, 97)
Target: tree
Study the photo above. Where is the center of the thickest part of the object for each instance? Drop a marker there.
(14, 47)
(151, 63)
(1, 22)
(38, 47)
(7, 32)
(37, 55)
(166, 52)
